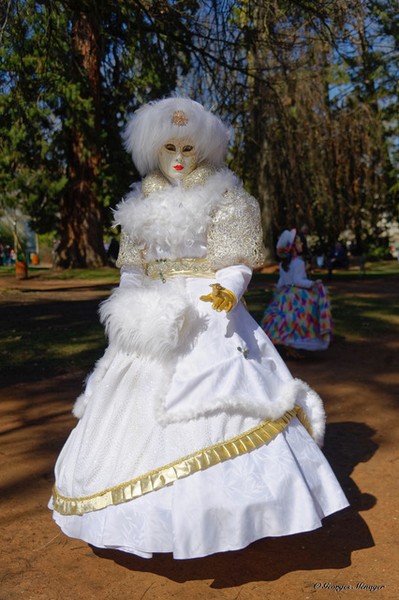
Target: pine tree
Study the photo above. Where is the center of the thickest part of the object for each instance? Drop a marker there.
(71, 71)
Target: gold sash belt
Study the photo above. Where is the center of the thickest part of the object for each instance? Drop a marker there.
(198, 461)
(185, 267)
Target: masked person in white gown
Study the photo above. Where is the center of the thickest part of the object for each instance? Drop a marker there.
(193, 437)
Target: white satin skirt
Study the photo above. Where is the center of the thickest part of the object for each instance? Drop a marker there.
(142, 414)
(283, 488)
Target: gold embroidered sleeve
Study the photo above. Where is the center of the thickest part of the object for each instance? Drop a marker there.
(129, 252)
(235, 234)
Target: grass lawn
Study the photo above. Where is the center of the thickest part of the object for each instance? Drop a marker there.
(364, 315)
(44, 337)
(358, 312)
(104, 273)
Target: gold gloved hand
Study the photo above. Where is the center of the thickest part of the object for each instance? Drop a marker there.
(221, 298)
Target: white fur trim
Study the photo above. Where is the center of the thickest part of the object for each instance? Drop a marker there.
(313, 407)
(243, 406)
(175, 220)
(290, 393)
(151, 127)
(80, 406)
(159, 324)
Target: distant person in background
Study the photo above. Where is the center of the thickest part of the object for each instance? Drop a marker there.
(337, 258)
(306, 253)
(7, 255)
(299, 315)
(320, 257)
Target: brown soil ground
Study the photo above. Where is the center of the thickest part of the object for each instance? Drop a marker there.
(356, 547)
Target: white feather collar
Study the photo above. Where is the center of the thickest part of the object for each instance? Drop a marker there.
(173, 220)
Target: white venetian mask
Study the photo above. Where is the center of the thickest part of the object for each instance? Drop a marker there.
(177, 159)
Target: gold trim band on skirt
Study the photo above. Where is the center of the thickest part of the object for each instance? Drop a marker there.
(163, 476)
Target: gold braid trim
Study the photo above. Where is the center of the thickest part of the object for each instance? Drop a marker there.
(198, 461)
(162, 268)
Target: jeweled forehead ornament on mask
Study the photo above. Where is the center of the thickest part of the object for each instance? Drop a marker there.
(179, 118)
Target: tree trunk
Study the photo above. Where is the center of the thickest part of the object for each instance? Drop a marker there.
(257, 148)
(81, 244)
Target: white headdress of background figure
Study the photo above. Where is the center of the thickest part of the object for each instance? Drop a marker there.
(155, 123)
(285, 243)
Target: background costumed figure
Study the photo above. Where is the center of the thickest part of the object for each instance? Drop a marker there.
(299, 314)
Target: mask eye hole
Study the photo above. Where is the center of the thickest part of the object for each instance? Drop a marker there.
(188, 148)
(170, 147)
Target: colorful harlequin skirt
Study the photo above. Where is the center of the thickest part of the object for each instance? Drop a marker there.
(299, 317)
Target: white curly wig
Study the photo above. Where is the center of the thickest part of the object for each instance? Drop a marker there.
(155, 123)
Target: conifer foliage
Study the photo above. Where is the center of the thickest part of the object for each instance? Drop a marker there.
(310, 89)
(71, 70)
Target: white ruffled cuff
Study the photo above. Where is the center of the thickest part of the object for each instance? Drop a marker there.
(235, 278)
(131, 276)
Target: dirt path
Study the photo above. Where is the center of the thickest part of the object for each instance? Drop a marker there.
(357, 547)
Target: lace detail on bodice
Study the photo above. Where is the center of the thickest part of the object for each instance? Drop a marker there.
(130, 254)
(235, 233)
(226, 230)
